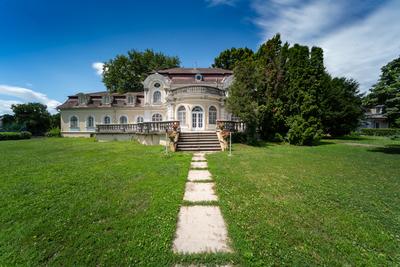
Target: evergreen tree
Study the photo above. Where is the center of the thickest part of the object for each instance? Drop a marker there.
(387, 92)
(342, 107)
(242, 100)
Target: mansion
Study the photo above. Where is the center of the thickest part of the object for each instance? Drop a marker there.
(193, 96)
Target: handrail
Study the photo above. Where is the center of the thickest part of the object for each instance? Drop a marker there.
(232, 126)
(141, 127)
(198, 89)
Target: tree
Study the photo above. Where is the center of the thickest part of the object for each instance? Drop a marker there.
(228, 58)
(125, 73)
(342, 109)
(285, 91)
(387, 92)
(33, 116)
(242, 100)
(55, 121)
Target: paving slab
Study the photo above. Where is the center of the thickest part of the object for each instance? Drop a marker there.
(199, 175)
(199, 164)
(201, 229)
(195, 192)
(199, 154)
(199, 158)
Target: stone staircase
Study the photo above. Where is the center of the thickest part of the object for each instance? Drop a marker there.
(198, 141)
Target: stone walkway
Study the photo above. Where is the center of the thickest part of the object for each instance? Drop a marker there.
(201, 227)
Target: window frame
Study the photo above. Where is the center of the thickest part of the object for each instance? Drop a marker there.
(77, 122)
(137, 119)
(215, 114)
(156, 115)
(158, 92)
(104, 119)
(179, 113)
(87, 122)
(126, 118)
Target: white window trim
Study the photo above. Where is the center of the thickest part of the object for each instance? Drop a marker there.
(162, 117)
(152, 97)
(186, 113)
(139, 116)
(77, 123)
(104, 117)
(94, 122)
(123, 115)
(216, 115)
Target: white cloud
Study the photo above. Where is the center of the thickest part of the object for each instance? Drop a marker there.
(26, 95)
(355, 48)
(98, 66)
(5, 106)
(221, 2)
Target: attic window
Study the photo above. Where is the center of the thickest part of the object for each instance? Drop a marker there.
(199, 77)
(156, 85)
(106, 99)
(82, 99)
(130, 99)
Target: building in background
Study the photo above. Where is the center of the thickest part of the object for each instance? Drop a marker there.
(375, 118)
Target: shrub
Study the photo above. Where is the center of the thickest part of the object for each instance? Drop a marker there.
(54, 132)
(302, 132)
(15, 135)
(278, 138)
(381, 131)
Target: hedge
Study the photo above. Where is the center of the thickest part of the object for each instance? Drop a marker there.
(15, 135)
(54, 132)
(381, 131)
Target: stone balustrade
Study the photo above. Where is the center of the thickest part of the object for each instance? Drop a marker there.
(231, 126)
(141, 128)
(198, 90)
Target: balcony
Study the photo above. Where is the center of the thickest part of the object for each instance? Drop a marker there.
(139, 128)
(198, 90)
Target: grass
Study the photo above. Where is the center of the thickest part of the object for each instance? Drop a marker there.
(335, 204)
(78, 202)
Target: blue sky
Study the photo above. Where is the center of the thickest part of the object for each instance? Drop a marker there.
(50, 49)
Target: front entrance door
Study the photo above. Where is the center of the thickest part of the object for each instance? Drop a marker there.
(197, 118)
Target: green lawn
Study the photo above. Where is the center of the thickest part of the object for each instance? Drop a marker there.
(335, 204)
(78, 202)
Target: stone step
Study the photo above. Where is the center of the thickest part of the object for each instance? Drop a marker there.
(195, 139)
(199, 146)
(199, 142)
(199, 149)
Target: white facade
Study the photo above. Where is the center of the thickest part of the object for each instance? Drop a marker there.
(195, 97)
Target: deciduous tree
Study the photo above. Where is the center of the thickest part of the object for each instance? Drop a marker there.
(125, 73)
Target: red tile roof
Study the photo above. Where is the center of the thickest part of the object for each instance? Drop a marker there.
(194, 71)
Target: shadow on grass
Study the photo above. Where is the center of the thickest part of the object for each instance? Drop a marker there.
(389, 149)
(347, 138)
(324, 142)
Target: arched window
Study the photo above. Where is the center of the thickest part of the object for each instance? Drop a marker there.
(73, 122)
(212, 115)
(123, 120)
(107, 120)
(90, 122)
(157, 97)
(182, 115)
(139, 119)
(156, 117)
